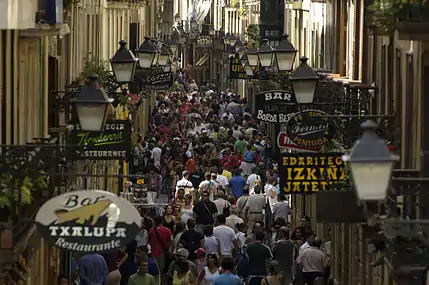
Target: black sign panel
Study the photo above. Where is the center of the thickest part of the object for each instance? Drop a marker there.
(274, 106)
(310, 128)
(204, 41)
(113, 143)
(238, 71)
(158, 81)
(303, 173)
(338, 207)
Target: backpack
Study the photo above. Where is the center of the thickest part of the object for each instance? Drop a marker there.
(153, 182)
(226, 211)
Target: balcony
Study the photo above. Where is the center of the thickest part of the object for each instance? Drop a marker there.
(413, 21)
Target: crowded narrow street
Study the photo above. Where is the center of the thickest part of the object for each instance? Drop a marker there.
(209, 142)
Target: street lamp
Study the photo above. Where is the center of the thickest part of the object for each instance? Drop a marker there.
(371, 164)
(242, 51)
(238, 44)
(173, 42)
(146, 53)
(227, 39)
(252, 55)
(231, 51)
(177, 18)
(232, 40)
(163, 57)
(92, 105)
(265, 54)
(244, 60)
(304, 81)
(285, 54)
(123, 64)
(194, 25)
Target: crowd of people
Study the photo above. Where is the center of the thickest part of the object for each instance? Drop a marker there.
(226, 221)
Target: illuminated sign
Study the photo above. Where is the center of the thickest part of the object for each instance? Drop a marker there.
(237, 70)
(310, 173)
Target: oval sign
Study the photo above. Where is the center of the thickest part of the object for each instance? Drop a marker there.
(310, 128)
(88, 221)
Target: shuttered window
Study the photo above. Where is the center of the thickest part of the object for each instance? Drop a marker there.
(389, 80)
(382, 83)
(398, 88)
(409, 137)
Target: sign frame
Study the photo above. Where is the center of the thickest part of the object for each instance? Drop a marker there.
(112, 143)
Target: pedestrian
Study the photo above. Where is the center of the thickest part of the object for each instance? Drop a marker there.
(210, 271)
(185, 185)
(160, 241)
(255, 207)
(183, 274)
(226, 236)
(274, 276)
(227, 277)
(284, 253)
(142, 277)
(180, 254)
(192, 239)
(201, 261)
(205, 212)
(242, 204)
(233, 219)
(92, 269)
(259, 255)
(313, 261)
(222, 205)
(237, 183)
(62, 280)
(211, 243)
(281, 208)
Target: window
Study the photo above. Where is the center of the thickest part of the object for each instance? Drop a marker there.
(409, 137)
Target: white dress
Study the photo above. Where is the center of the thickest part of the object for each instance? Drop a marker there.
(186, 214)
(209, 277)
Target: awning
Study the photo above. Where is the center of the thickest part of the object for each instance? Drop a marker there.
(202, 60)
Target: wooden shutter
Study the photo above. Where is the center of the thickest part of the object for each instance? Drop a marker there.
(357, 41)
(389, 81)
(409, 147)
(382, 86)
(398, 92)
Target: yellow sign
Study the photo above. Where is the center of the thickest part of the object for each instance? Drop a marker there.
(140, 181)
(311, 173)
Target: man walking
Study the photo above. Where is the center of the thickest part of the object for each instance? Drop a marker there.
(205, 212)
(313, 261)
(159, 240)
(255, 208)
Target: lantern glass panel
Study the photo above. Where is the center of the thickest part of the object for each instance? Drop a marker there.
(304, 90)
(92, 117)
(371, 179)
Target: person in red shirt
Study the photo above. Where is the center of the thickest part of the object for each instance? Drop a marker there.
(159, 240)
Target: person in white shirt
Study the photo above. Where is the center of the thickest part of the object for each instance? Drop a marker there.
(271, 193)
(233, 219)
(222, 180)
(221, 203)
(156, 155)
(251, 181)
(185, 184)
(226, 237)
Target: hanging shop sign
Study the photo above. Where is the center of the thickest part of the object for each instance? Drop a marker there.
(204, 41)
(310, 128)
(238, 71)
(274, 106)
(158, 81)
(88, 221)
(283, 141)
(112, 143)
(311, 173)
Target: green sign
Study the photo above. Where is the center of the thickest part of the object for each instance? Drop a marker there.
(112, 143)
(238, 71)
